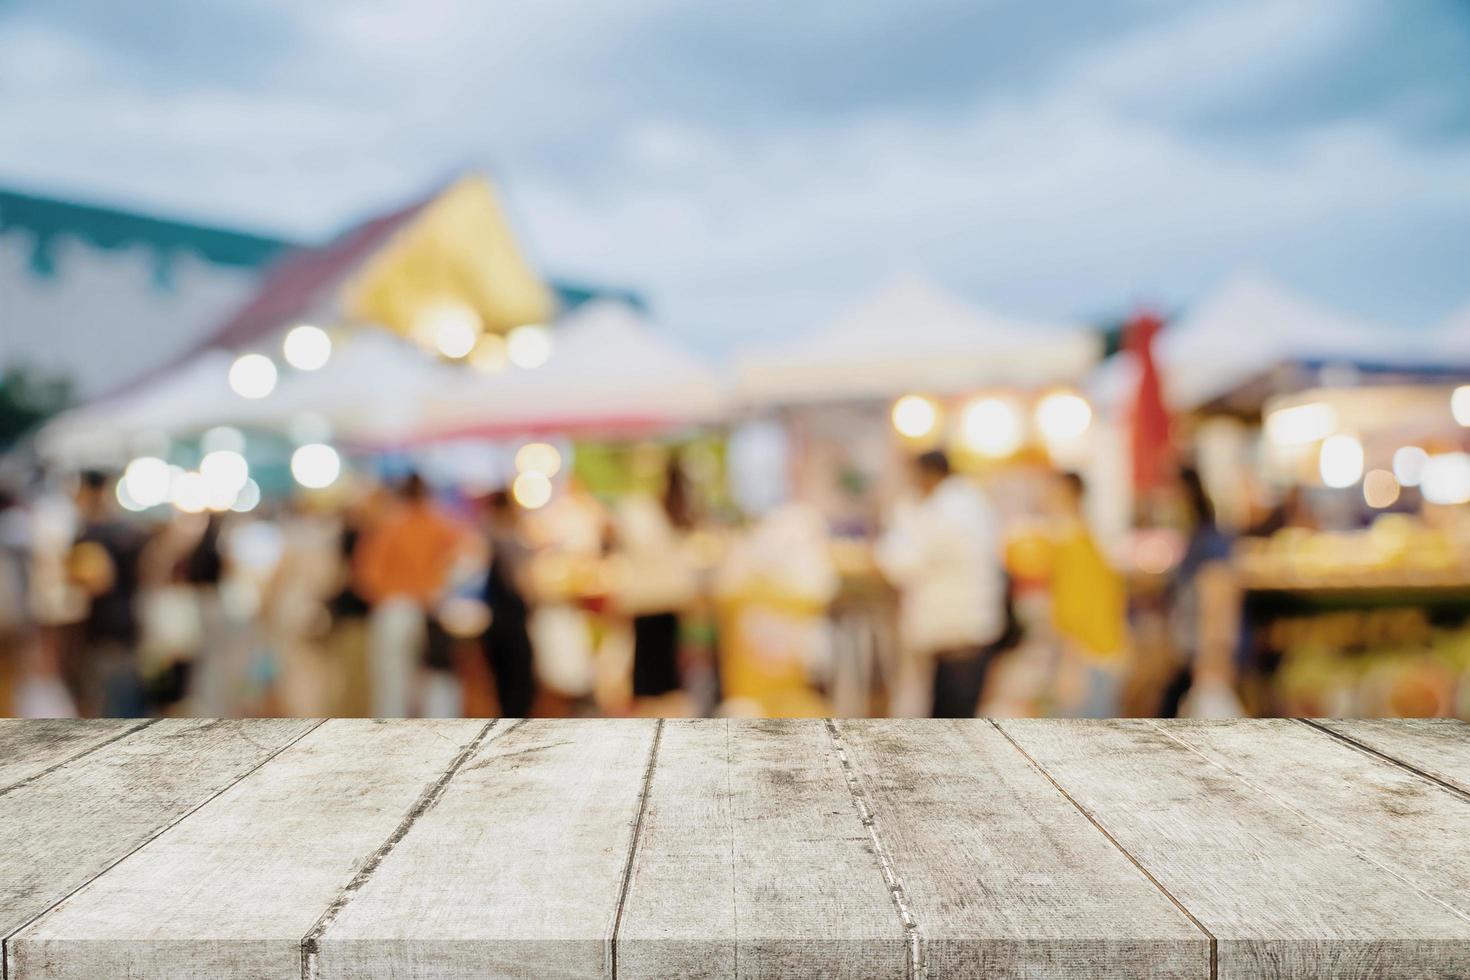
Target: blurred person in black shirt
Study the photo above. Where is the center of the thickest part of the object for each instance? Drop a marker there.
(507, 641)
(103, 672)
(1204, 614)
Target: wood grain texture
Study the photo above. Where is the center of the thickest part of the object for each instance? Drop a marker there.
(754, 862)
(232, 890)
(64, 826)
(1005, 877)
(28, 748)
(1439, 747)
(712, 848)
(1410, 826)
(516, 871)
(1284, 896)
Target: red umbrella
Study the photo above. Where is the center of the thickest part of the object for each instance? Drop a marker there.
(1152, 454)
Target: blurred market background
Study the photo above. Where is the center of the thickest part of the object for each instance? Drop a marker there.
(576, 359)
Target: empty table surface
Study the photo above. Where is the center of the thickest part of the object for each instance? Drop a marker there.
(711, 848)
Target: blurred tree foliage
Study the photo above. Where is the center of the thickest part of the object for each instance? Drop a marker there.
(27, 398)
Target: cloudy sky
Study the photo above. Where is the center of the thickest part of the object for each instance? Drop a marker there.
(752, 166)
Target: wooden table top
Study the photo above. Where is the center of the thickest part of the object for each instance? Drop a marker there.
(641, 848)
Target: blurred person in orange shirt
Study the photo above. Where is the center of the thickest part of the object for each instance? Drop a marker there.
(403, 568)
(1089, 604)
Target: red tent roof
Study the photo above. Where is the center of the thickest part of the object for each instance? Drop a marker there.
(294, 286)
(301, 281)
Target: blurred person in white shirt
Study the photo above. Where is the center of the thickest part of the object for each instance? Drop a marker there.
(941, 552)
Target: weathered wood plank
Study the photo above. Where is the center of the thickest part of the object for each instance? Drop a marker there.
(28, 748)
(1004, 876)
(1284, 896)
(712, 848)
(232, 890)
(64, 826)
(516, 871)
(754, 862)
(1397, 819)
(1439, 747)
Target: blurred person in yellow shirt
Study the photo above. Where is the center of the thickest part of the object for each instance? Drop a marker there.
(1089, 603)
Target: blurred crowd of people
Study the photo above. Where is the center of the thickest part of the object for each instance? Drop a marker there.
(403, 599)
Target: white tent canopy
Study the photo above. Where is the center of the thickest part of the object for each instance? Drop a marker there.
(1248, 327)
(369, 390)
(912, 335)
(608, 370)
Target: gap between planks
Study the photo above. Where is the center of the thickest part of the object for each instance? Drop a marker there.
(610, 953)
(734, 885)
(311, 942)
(73, 758)
(915, 966)
(5, 942)
(1214, 942)
(1383, 756)
(1309, 818)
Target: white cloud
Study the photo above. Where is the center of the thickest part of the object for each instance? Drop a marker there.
(1075, 195)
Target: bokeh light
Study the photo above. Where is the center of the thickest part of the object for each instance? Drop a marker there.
(538, 457)
(1447, 479)
(225, 470)
(315, 465)
(456, 328)
(528, 346)
(247, 499)
(1380, 489)
(189, 493)
(992, 426)
(532, 490)
(306, 347)
(1063, 416)
(1341, 461)
(147, 480)
(915, 416)
(253, 376)
(1408, 465)
(1460, 404)
(1301, 424)
(124, 499)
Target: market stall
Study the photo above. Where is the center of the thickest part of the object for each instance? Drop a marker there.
(1251, 338)
(913, 367)
(609, 372)
(910, 368)
(913, 336)
(1334, 450)
(366, 394)
(340, 342)
(1359, 602)
(420, 341)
